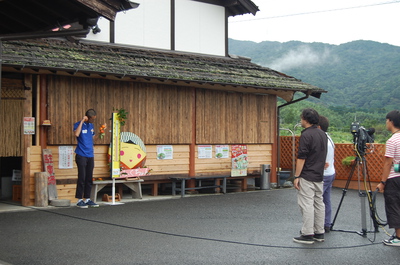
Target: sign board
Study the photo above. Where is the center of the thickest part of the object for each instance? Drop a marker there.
(49, 168)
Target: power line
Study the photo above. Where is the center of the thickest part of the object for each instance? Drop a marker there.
(315, 12)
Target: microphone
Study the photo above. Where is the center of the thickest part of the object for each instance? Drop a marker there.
(371, 131)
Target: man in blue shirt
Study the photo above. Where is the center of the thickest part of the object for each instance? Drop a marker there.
(84, 158)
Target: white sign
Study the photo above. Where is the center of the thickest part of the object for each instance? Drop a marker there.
(165, 152)
(29, 125)
(204, 151)
(222, 151)
(65, 157)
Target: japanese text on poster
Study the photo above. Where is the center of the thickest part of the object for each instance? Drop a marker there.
(239, 160)
(29, 125)
(204, 151)
(65, 157)
(165, 152)
(222, 151)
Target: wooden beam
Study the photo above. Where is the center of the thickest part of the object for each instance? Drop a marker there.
(26, 144)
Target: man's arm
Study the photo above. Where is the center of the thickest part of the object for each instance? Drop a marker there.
(79, 128)
(387, 164)
(299, 168)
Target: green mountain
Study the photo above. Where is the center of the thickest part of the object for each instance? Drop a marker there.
(362, 75)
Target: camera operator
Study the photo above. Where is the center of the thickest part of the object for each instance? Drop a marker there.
(390, 182)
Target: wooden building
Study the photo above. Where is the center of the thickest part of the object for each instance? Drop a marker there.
(176, 98)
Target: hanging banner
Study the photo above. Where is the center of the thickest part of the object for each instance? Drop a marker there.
(115, 146)
(239, 160)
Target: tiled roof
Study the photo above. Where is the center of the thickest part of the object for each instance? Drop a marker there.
(110, 59)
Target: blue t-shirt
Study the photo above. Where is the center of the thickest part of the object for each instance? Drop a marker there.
(85, 139)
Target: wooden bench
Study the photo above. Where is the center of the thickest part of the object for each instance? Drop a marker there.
(155, 180)
(243, 180)
(134, 184)
(198, 180)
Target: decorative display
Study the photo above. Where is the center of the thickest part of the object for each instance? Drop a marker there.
(239, 160)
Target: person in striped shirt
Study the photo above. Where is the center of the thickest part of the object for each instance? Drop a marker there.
(390, 182)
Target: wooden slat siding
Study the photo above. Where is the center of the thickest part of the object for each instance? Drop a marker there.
(159, 114)
(257, 154)
(234, 118)
(179, 165)
(35, 159)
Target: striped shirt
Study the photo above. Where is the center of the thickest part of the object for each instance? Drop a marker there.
(393, 151)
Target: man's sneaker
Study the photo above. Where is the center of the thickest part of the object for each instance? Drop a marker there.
(91, 204)
(327, 229)
(81, 204)
(392, 241)
(304, 239)
(319, 237)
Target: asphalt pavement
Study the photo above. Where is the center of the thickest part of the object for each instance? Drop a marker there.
(255, 227)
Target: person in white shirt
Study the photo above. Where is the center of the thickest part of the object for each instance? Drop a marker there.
(329, 174)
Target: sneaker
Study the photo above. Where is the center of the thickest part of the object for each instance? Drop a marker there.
(304, 239)
(392, 241)
(319, 237)
(327, 229)
(81, 204)
(90, 203)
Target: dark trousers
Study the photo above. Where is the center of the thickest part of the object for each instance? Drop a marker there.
(85, 176)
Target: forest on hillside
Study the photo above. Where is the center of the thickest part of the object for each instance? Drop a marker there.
(362, 80)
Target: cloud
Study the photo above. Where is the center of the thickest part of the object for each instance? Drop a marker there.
(302, 56)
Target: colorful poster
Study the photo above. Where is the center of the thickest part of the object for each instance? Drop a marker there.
(165, 152)
(66, 155)
(29, 125)
(239, 160)
(222, 151)
(204, 151)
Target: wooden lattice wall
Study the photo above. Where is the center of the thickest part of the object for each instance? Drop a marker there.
(374, 159)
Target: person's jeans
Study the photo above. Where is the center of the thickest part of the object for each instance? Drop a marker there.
(328, 181)
(85, 176)
(312, 207)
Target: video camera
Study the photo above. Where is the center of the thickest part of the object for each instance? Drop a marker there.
(361, 137)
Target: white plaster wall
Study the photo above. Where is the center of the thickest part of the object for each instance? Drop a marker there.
(148, 25)
(199, 27)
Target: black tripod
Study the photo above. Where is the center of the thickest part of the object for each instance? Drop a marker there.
(359, 161)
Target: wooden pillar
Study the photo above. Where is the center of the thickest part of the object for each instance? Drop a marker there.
(275, 153)
(26, 143)
(192, 148)
(43, 110)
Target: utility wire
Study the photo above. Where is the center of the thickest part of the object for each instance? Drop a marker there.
(315, 12)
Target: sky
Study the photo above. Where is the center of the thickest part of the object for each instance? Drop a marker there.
(340, 21)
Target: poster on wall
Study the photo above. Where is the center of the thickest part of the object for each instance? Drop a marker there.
(165, 152)
(29, 125)
(239, 160)
(222, 151)
(66, 154)
(204, 151)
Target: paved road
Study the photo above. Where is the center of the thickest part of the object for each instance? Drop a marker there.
(235, 228)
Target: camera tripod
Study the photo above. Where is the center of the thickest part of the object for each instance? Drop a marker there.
(359, 162)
